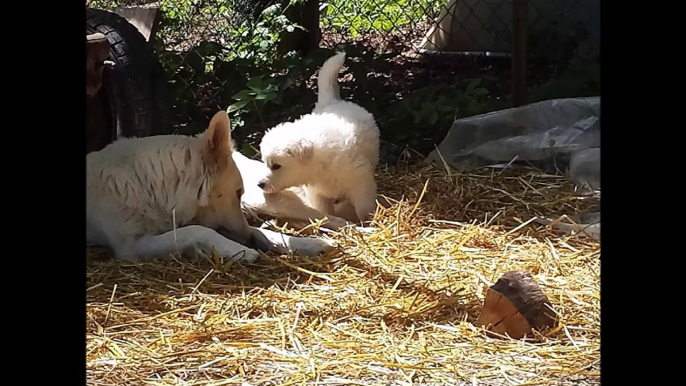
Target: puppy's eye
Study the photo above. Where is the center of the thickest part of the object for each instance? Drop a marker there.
(239, 193)
(276, 167)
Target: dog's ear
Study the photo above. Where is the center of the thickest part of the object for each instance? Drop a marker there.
(217, 139)
(302, 149)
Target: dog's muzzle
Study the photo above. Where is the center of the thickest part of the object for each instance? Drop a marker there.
(266, 187)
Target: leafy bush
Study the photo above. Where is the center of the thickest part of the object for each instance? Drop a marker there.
(357, 17)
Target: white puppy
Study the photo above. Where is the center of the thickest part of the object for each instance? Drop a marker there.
(158, 195)
(332, 152)
(288, 205)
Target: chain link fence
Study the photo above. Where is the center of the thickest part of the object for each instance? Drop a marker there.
(415, 64)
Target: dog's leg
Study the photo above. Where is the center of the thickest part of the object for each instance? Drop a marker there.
(287, 205)
(193, 239)
(306, 246)
(363, 199)
(321, 202)
(345, 209)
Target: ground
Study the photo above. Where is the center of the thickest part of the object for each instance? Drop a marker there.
(394, 307)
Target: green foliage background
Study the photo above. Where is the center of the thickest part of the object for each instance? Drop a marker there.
(224, 54)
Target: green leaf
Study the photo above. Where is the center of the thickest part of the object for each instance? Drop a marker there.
(236, 106)
(281, 19)
(255, 83)
(247, 150)
(278, 99)
(271, 10)
(288, 82)
(473, 107)
(481, 91)
(260, 96)
(433, 117)
(473, 83)
(426, 108)
(244, 94)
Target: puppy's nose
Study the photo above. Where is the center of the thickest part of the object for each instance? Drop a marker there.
(261, 185)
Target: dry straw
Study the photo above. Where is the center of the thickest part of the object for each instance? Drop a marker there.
(394, 307)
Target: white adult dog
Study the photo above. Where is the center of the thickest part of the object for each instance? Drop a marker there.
(158, 195)
(332, 152)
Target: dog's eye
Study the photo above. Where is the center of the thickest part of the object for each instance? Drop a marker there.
(239, 193)
(276, 167)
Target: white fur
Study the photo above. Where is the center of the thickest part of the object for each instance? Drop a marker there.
(288, 205)
(332, 152)
(158, 195)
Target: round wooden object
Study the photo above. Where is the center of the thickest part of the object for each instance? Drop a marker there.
(514, 305)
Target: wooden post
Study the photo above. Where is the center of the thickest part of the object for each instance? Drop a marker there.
(307, 15)
(520, 21)
(311, 24)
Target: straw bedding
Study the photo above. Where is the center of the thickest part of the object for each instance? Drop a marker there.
(394, 307)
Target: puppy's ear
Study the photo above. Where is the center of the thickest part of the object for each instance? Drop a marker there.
(217, 140)
(302, 149)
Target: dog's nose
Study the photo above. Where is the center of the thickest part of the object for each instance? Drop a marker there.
(261, 185)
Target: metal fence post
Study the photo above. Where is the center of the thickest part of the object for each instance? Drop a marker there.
(519, 51)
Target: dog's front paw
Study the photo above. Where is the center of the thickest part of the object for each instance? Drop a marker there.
(228, 253)
(307, 246)
(266, 244)
(335, 223)
(245, 256)
(366, 229)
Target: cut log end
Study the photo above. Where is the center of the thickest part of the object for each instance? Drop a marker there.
(515, 305)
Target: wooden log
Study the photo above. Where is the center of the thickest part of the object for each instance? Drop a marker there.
(97, 50)
(515, 305)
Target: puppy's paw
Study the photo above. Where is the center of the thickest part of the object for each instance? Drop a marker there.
(335, 223)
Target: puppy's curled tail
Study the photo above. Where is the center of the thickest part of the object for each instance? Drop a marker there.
(327, 81)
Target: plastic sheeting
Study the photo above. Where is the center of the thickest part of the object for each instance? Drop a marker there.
(586, 225)
(559, 134)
